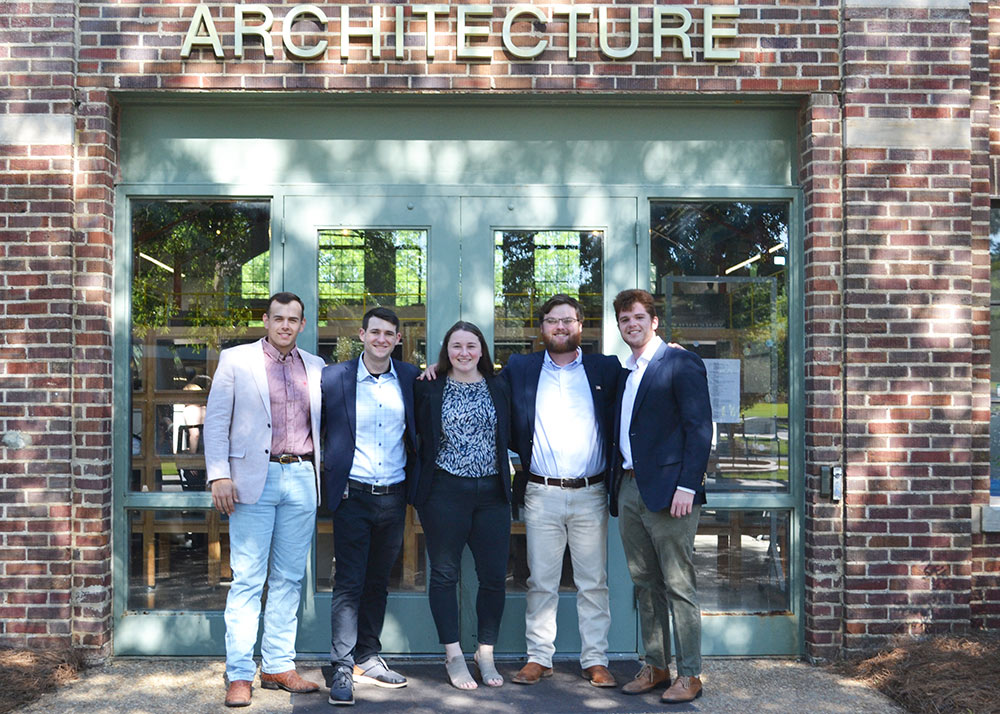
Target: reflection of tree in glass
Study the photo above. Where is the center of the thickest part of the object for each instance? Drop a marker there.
(188, 263)
(531, 266)
(735, 239)
(372, 267)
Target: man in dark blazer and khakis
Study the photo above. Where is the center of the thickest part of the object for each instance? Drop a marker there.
(664, 437)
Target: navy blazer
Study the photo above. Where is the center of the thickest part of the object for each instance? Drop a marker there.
(429, 398)
(522, 374)
(671, 429)
(340, 394)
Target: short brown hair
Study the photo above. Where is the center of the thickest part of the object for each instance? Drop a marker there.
(627, 298)
(557, 300)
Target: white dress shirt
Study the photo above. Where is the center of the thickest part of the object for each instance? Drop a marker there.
(379, 454)
(637, 368)
(567, 442)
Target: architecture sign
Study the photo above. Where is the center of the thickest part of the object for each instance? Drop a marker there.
(672, 30)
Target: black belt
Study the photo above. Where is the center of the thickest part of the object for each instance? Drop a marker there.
(291, 458)
(375, 490)
(566, 482)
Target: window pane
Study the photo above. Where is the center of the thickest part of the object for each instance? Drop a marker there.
(719, 276)
(200, 282)
(741, 560)
(178, 560)
(532, 266)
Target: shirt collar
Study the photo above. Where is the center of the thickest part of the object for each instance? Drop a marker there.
(272, 351)
(364, 374)
(647, 354)
(548, 363)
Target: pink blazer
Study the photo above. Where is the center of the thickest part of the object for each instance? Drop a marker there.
(238, 419)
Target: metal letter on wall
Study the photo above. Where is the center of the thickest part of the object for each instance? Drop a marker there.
(573, 13)
(202, 18)
(465, 31)
(347, 32)
(680, 33)
(713, 31)
(286, 32)
(527, 52)
(602, 30)
(263, 30)
(430, 11)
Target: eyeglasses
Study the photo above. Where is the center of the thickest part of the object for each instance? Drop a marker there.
(564, 321)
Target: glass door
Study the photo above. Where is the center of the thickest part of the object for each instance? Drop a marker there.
(721, 272)
(516, 253)
(345, 255)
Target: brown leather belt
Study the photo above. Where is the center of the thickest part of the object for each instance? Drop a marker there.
(566, 482)
(628, 473)
(291, 458)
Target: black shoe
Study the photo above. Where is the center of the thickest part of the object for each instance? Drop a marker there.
(342, 687)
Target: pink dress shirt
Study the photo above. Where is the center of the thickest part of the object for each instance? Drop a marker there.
(288, 389)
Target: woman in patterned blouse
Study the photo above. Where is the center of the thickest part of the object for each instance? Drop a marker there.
(463, 494)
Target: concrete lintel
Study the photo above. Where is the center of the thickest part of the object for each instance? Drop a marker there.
(908, 133)
(36, 129)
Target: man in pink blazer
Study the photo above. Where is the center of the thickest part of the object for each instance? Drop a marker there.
(262, 447)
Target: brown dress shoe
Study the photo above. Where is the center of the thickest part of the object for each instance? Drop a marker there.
(648, 679)
(599, 676)
(684, 689)
(238, 693)
(531, 673)
(290, 681)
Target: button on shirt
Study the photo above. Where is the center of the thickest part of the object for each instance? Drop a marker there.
(567, 442)
(637, 368)
(379, 454)
(288, 390)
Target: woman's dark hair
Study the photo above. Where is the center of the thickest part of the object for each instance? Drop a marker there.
(485, 365)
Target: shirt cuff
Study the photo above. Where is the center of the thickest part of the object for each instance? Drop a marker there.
(686, 490)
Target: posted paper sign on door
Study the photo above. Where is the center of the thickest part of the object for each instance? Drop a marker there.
(724, 389)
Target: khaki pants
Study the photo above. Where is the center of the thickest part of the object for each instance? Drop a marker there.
(658, 548)
(553, 517)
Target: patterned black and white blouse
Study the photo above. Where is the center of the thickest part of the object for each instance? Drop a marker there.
(468, 430)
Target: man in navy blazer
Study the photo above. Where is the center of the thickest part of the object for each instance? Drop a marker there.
(562, 404)
(370, 473)
(664, 436)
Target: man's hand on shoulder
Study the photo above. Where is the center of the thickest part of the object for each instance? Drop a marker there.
(676, 346)
(429, 373)
(682, 504)
(224, 496)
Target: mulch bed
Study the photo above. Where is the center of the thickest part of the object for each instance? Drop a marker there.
(944, 674)
(27, 674)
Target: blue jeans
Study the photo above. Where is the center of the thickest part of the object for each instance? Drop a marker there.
(278, 529)
(457, 512)
(367, 538)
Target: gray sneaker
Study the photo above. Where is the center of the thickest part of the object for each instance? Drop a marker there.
(376, 671)
(341, 687)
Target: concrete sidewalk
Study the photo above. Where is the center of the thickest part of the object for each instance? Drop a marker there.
(186, 686)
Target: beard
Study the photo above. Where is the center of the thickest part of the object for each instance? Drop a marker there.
(557, 345)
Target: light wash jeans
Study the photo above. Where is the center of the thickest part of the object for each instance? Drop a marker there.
(278, 528)
(553, 517)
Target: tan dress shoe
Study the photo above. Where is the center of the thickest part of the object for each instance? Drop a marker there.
(684, 689)
(531, 673)
(599, 676)
(290, 681)
(238, 694)
(648, 679)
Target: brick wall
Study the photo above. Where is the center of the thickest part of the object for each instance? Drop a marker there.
(822, 186)
(908, 322)
(985, 602)
(898, 143)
